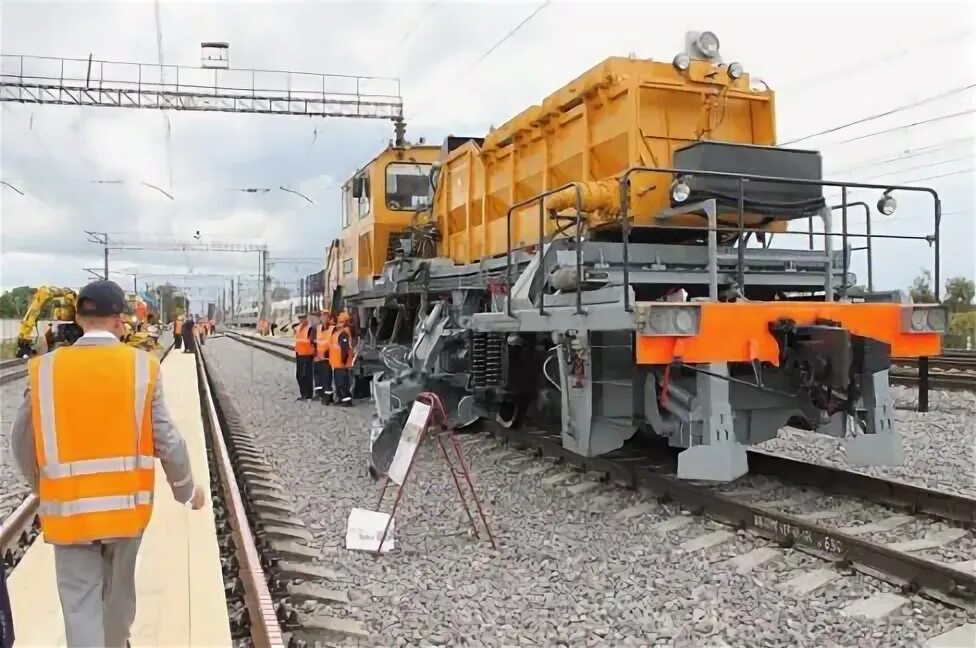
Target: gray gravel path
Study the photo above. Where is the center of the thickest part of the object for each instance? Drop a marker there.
(940, 446)
(579, 564)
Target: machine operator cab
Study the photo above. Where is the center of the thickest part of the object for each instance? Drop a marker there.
(380, 203)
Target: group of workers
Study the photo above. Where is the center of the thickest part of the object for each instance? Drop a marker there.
(324, 357)
(187, 330)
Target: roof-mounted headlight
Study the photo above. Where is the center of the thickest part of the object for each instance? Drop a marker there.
(735, 70)
(681, 62)
(708, 44)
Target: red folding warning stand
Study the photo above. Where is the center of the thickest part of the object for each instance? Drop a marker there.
(436, 416)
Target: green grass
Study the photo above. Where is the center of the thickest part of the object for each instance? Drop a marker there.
(8, 349)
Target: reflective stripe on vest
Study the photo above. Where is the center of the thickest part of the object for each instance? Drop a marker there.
(79, 407)
(95, 504)
(323, 340)
(303, 346)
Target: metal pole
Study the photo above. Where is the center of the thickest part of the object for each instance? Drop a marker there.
(923, 384)
(741, 270)
(867, 230)
(264, 284)
(106, 257)
(843, 224)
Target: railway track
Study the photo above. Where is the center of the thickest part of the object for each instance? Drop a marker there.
(840, 516)
(11, 370)
(953, 370)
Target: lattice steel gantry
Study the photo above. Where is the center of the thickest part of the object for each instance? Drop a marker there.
(113, 84)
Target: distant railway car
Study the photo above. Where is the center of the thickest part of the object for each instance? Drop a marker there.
(603, 263)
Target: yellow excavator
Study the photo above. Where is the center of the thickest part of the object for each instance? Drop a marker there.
(66, 331)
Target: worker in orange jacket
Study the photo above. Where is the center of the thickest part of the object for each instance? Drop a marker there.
(341, 359)
(305, 357)
(323, 370)
(92, 469)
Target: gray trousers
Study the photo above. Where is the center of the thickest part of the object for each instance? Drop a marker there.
(97, 588)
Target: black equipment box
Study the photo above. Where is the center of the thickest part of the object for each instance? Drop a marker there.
(749, 159)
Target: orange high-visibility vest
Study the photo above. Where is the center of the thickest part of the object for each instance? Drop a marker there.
(91, 413)
(303, 346)
(335, 349)
(323, 341)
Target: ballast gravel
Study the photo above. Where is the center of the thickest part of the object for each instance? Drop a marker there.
(13, 488)
(939, 446)
(578, 564)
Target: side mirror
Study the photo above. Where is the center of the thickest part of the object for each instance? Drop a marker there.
(357, 187)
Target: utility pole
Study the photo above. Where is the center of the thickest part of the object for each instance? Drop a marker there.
(264, 284)
(102, 239)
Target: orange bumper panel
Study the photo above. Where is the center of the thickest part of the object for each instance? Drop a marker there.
(739, 332)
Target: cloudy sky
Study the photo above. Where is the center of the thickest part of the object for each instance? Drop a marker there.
(831, 64)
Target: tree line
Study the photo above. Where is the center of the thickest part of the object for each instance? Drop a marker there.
(958, 297)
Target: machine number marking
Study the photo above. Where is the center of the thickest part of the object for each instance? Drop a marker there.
(799, 534)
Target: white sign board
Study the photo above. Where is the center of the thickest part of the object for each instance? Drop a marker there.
(409, 439)
(365, 528)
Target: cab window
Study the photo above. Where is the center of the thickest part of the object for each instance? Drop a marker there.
(346, 205)
(407, 186)
(361, 194)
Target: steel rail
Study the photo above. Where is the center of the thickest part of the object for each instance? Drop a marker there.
(264, 626)
(15, 527)
(910, 497)
(930, 578)
(11, 376)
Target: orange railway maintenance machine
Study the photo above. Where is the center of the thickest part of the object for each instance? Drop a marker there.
(604, 263)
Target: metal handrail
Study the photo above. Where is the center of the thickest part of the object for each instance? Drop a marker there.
(746, 177)
(542, 233)
(867, 243)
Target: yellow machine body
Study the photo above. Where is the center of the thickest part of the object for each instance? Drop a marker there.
(379, 204)
(622, 113)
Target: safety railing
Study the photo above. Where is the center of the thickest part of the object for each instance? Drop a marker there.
(541, 198)
(740, 229)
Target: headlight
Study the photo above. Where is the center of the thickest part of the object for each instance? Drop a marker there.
(887, 205)
(735, 70)
(851, 279)
(919, 319)
(708, 44)
(937, 319)
(681, 62)
(680, 190)
(672, 320)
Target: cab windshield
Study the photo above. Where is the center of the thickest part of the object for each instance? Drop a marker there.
(407, 186)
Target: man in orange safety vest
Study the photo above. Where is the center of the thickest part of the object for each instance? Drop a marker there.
(323, 370)
(305, 357)
(86, 437)
(340, 359)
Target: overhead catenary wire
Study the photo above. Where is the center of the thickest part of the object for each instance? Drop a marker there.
(922, 122)
(886, 113)
(885, 58)
(464, 71)
(906, 154)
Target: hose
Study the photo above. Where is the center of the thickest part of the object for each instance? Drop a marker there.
(545, 373)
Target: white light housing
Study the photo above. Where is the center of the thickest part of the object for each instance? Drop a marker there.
(919, 319)
(735, 70)
(887, 205)
(680, 190)
(708, 44)
(681, 62)
(938, 319)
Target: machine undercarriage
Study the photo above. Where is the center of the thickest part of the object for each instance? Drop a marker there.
(578, 371)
